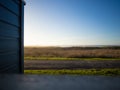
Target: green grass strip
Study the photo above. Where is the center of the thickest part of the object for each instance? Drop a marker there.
(59, 58)
(76, 72)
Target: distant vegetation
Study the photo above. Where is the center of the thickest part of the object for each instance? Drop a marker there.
(72, 52)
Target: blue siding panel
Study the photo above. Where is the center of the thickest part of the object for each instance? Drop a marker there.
(10, 5)
(8, 44)
(9, 17)
(8, 30)
(11, 36)
(9, 65)
(17, 1)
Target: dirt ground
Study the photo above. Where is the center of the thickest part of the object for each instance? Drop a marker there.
(70, 64)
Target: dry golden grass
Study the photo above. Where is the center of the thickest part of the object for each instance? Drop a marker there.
(73, 52)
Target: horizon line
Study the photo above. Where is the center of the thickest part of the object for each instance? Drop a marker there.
(70, 45)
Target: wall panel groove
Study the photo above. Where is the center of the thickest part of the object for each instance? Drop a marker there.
(8, 17)
(8, 10)
(9, 23)
(10, 6)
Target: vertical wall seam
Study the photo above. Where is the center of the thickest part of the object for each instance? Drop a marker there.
(21, 59)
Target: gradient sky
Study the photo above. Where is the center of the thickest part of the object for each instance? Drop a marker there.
(72, 22)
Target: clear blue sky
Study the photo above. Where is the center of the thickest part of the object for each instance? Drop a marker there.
(72, 22)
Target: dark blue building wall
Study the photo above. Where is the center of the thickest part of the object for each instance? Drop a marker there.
(11, 36)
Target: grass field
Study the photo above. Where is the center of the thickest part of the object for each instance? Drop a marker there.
(104, 57)
(72, 53)
(76, 72)
(60, 58)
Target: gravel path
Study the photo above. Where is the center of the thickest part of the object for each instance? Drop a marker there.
(70, 64)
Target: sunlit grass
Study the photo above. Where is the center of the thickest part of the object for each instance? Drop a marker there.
(59, 58)
(72, 53)
(75, 72)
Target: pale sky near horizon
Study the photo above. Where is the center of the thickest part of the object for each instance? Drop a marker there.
(72, 22)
